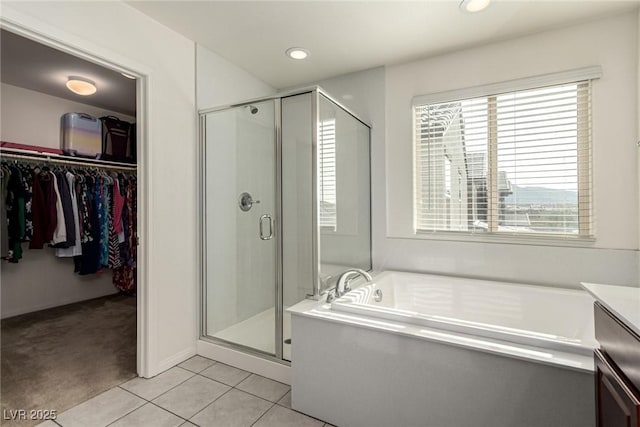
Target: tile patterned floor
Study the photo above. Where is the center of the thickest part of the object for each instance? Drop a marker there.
(198, 392)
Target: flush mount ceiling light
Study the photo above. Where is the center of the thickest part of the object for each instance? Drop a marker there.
(472, 6)
(297, 53)
(81, 86)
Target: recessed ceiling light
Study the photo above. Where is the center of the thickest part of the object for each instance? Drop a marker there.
(129, 76)
(297, 53)
(81, 86)
(474, 5)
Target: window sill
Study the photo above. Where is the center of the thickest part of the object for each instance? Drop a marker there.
(510, 239)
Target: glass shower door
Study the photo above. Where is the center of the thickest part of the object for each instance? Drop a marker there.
(240, 226)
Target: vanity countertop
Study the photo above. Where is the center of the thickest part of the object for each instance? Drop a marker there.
(622, 301)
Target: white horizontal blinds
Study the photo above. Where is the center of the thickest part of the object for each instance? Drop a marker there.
(537, 155)
(327, 181)
(451, 164)
(515, 162)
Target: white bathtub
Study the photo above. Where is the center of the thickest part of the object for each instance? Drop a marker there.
(537, 316)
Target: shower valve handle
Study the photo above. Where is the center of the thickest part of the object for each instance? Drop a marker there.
(245, 202)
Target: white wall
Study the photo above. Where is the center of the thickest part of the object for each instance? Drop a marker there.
(33, 118)
(613, 257)
(40, 280)
(220, 82)
(613, 128)
(124, 36)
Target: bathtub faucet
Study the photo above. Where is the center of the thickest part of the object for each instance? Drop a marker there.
(342, 287)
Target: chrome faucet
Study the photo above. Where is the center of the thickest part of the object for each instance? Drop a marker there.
(342, 287)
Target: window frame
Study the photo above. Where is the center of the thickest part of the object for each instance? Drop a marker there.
(583, 163)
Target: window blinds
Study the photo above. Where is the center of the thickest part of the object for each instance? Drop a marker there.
(327, 181)
(515, 162)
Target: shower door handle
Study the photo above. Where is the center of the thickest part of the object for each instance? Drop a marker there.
(262, 221)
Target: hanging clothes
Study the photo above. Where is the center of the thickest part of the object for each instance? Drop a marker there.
(74, 249)
(27, 182)
(4, 224)
(124, 278)
(15, 214)
(89, 262)
(118, 205)
(104, 222)
(40, 217)
(114, 246)
(85, 214)
(60, 233)
(67, 211)
(43, 208)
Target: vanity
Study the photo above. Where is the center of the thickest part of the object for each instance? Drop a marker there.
(617, 362)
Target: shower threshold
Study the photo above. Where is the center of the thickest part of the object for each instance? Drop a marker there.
(258, 332)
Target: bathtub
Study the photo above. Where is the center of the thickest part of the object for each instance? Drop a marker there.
(537, 316)
(423, 350)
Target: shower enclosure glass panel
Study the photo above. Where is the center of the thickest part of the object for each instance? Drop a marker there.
(240, 225)
(344, 196)
(286, 210)
(297, 206)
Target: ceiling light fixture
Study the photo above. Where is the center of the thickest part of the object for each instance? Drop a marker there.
(297, 53)
(81, 86)
(129, 76)
(472, 6)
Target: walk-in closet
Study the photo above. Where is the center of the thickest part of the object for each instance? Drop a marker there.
(68, 227)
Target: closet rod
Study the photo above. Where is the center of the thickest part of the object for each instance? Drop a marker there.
(54, 158)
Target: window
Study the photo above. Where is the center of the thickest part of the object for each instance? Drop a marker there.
(327, 157)
(507, 162)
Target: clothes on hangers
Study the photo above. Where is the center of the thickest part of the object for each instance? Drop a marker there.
(67, 212)
(4, 232)
(104, 223)
(82, 212)
(124, 278)
(60, 232)
(45, 218)
(75, 248)
(118, 205)
(16, 220)
(89, 261)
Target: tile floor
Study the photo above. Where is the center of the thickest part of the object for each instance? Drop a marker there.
(198, 392)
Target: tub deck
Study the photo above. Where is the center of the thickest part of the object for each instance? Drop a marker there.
(537, 316)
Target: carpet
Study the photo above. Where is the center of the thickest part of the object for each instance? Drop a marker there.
(57, 358)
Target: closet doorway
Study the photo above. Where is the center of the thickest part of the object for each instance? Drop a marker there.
(69, 288)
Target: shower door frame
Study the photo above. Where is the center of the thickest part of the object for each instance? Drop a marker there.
(202, 174)
(315, 294)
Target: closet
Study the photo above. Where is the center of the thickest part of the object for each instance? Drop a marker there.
(68, 234)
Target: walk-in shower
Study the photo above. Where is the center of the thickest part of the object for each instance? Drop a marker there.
(286, 208)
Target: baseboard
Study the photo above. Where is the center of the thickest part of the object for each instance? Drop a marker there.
(25, 310)
(257, 365)
(172, 361)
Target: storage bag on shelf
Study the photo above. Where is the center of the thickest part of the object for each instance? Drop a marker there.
(81, 135)
(116, 140)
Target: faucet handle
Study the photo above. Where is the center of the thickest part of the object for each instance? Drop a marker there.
(347, 283)
(331, 296)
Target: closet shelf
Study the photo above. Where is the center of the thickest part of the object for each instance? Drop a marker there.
(14, 153)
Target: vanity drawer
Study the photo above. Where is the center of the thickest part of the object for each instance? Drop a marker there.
(618, 342)
(616, 404)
